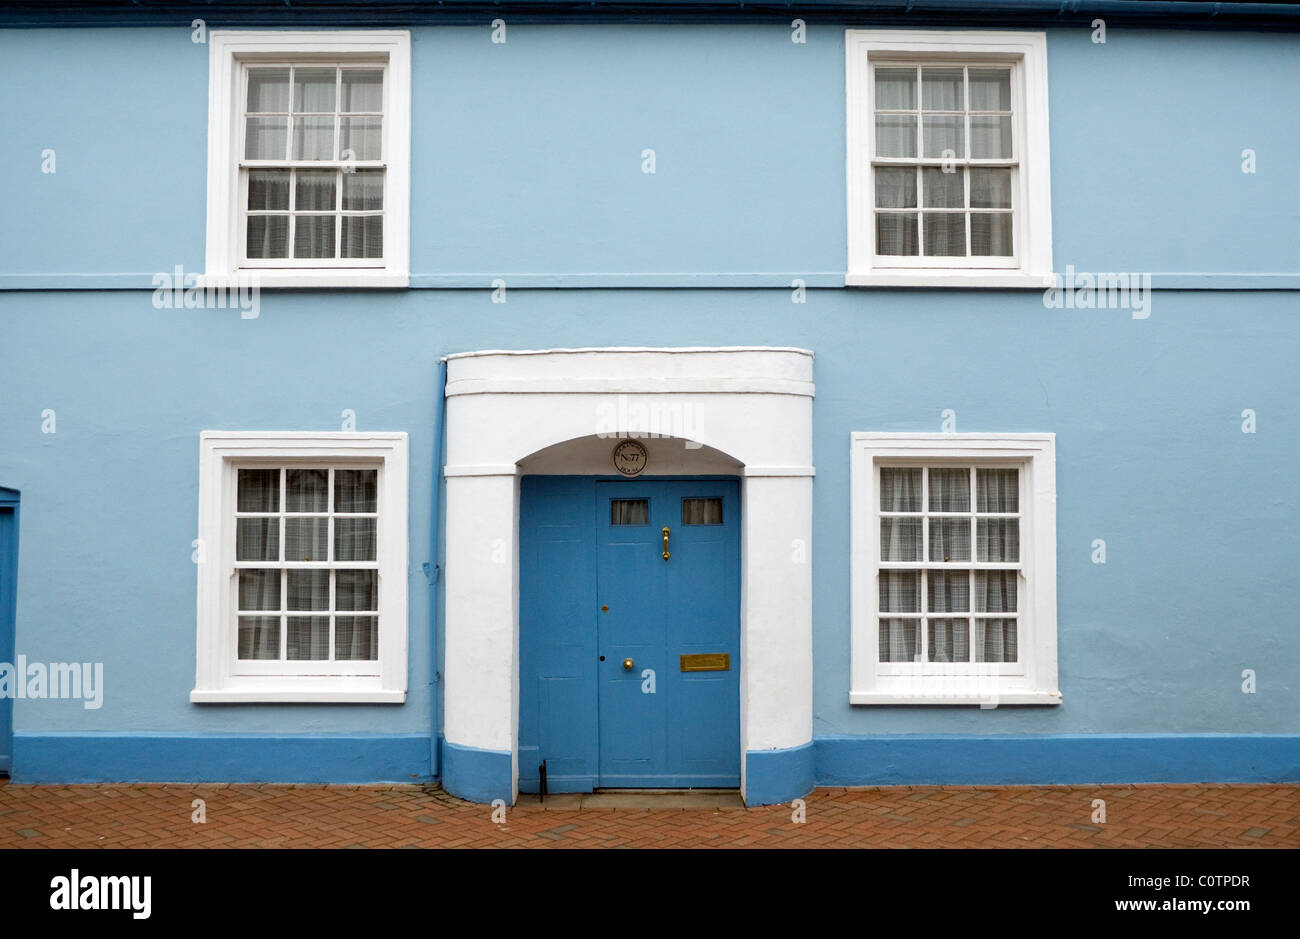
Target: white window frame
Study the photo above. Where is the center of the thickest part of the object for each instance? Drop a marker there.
(218, 676)
(1034, 681)
(1026, 52)
(230, 50)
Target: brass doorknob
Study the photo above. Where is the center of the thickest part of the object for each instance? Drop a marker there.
(627, 664)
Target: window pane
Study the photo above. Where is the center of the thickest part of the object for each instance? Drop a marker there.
(313, 236)
(314, 190)
(357, 590)
(895, 187)
(995, 591)
(363, 190)
(268, 236)
(900, 489)
(308, 490)
(995, 640)
(948, 592)
(356, 638)
(268, 90)
(354, 539)
(361, 135)
(944, 137)
(258, 491)
(949, 539)
(990, 234)
(363, 236)
(313, 90)
(355, 490)
(942, 190)
(895, 135)
(308, 590)
(257, 539)
(265, 138)
(990, 188)
(268, 189)
(305, 539)
(629, 512)
(896, 233)
(259, 637)
(990, 137)
(313, 138)
(945, 234)
(900, 591)
(990, 89)
(259, 590)
(941, 90)
(997, 490)
(950, 490)
(307, 638)
(701, 511)
(900, 539)
(949, 640)
(896, 89)
(898, 640)
(997, 539)
(363, 89)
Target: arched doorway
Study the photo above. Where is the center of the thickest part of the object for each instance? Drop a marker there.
(560, 413)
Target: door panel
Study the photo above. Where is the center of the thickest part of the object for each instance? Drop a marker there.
(595, 591)
(687, 732)
(630, 571)
(557, 634)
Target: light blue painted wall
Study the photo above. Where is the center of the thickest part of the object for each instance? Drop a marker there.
(527, 156)
(125, 112)
(1198, 517)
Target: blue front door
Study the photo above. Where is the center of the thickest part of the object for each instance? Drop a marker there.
(8, 604)
(629, 662)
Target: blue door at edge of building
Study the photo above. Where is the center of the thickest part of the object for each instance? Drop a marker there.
(596, 593)
(8, 608)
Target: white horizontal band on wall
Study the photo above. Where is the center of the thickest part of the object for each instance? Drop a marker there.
(494, 469)
(781, 386)
(502, 469)
(773, 471)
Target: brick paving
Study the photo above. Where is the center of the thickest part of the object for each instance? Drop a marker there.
(281, 816)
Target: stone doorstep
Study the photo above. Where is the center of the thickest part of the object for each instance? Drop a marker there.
(648, 799)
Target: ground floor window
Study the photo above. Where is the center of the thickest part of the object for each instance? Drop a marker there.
(954, 569)
(302, 567)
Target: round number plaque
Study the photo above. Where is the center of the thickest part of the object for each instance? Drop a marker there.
(630, 458)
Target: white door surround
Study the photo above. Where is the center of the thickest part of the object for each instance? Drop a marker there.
(698, 410)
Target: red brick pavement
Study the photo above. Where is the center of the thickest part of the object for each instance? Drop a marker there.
(242, 816)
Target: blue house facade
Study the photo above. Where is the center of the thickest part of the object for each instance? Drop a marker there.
(526, 399)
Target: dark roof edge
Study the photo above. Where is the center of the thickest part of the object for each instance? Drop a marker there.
(372, 13)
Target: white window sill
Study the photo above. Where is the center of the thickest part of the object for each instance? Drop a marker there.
(279, 277)
(1007, 279)
(983, 699)
(283, 693)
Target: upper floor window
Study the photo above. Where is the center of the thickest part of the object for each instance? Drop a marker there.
(309, 158)
(948, 159)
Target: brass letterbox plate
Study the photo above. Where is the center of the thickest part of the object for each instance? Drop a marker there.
(707, 662)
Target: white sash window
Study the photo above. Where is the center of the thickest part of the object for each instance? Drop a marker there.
(954, 569)
(309, 158)
(302, 558)
(948, 159)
